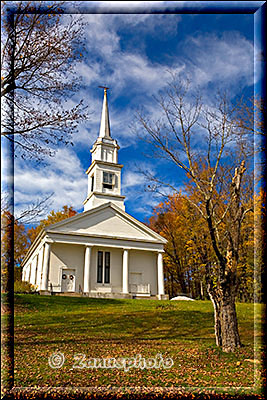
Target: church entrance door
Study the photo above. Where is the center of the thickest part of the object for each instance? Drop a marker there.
(68, 280)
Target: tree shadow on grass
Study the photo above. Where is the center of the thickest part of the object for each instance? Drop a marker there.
(152, 326)
(62, 300)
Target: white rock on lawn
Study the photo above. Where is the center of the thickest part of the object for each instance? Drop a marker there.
(182, 298)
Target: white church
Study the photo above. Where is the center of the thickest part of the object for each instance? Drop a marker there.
(103, 251)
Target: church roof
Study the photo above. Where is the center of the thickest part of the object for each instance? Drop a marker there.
(106, 220)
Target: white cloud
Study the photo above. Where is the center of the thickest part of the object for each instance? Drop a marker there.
(153, 24)
(89, 72)
(108, 64)
(132, 179)
(227, 59)
(145, 76)
(63, 175)
(207, 59)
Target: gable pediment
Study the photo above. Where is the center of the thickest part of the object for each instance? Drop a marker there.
(107, 220)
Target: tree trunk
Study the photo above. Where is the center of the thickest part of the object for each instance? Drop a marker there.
(171, 286)
(226, 329)
(223, 293)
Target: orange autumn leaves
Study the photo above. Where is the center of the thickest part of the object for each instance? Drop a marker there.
(189, 255)
(23, 238)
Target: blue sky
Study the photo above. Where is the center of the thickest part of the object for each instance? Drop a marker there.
(131, 54)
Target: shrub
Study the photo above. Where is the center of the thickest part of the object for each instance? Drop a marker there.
(24, 287)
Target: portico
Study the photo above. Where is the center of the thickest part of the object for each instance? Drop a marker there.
(122, 265)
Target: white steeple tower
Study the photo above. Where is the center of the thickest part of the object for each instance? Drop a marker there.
(104, 173)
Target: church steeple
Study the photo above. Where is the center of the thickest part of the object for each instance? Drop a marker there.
(104, 173)
(104, 125)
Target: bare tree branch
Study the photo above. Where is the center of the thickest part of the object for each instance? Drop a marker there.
(48, 46)
(32, 213)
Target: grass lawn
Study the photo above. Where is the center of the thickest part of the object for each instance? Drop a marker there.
(101, 328)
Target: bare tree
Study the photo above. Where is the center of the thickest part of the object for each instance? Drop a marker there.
(209, 146)
(31, 214)
(46, 47)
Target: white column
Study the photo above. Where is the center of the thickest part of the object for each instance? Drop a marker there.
(33, 270)
(40, 267)
(44, 284)
(115, 156)
(160, 275)
(30, 273)
(125, 272)
(27, 273)
(86, 275)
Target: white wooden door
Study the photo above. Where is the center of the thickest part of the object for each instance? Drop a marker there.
(135, 281)
(68, 280)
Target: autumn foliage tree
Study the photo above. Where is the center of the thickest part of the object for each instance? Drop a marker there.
(21, 244)
(23, 238)
(185, 252)
(189, 250)
(41, 46)
(211, 148)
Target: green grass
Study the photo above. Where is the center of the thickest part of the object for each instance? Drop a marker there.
(102, 328)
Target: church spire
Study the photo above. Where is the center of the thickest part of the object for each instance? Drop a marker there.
(104, 131)
(104, 173)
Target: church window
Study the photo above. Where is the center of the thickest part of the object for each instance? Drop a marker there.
(37, 262)
(100, 267)
(108, 180)
(103, 274)
(92, 183)
(107, 267)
